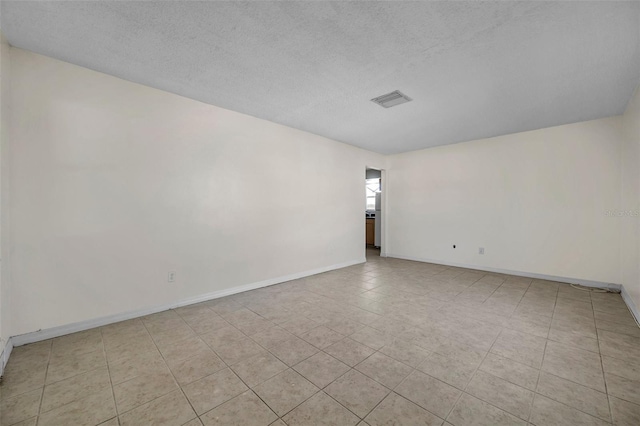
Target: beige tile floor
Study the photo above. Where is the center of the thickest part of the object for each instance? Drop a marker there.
(386, 342)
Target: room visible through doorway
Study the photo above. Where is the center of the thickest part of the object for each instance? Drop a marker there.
(373, 212)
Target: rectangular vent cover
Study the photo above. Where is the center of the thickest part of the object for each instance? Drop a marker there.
(391, 99)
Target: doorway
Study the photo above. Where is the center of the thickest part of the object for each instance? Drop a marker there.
(373, 212)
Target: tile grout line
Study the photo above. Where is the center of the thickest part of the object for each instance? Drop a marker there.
(346, 372)
(176, 380)
(293, 369)
(391, 390)
(44, 385)
(168, 368)
(106, 360)
(544, 354)
(604, 377)
(535, 392)
(248, 387)
(323, 388)
(223, 361)
(571, 381)
(464, 391)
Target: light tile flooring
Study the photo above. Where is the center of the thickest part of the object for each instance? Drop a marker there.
(386, 342)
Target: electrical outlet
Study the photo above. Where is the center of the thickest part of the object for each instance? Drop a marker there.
(171, 276)
(481, 250)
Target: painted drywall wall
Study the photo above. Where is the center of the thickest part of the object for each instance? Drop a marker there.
(629, 212)
(114, 184)
(535, 201)
(4, 191)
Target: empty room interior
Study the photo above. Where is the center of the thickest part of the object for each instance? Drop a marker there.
(319, 213)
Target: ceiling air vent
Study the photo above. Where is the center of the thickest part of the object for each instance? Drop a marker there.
(391, 99)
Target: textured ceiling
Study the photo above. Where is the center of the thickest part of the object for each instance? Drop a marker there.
(473, 69)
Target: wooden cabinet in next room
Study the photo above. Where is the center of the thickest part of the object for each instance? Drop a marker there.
(371, 231)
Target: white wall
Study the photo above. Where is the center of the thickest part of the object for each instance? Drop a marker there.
(536, 202)
(630, 206)
(114, 184)
(4, 192)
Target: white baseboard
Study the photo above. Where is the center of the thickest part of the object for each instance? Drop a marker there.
(586, 283)
(630, 304)
(50, 333)
(4, 356)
